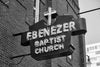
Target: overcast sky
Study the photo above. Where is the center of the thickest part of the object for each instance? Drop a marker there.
(92, 20)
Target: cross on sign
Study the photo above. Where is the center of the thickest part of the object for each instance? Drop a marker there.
(49, 14)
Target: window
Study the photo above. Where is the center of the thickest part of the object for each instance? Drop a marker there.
(97, 52)
(98, 63)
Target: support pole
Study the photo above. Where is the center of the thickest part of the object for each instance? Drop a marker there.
(17, 34)
(37, 11)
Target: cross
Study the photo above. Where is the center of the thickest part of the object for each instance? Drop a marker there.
(49, 14)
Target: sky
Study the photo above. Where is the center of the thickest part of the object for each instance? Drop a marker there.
(92, 20)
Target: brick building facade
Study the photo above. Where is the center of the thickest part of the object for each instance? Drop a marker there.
(14, 14)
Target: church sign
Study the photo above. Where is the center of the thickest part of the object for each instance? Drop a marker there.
(51, 41)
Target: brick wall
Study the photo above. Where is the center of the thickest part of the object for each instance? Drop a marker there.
(12, 21)
(63, 8)
(13, 15)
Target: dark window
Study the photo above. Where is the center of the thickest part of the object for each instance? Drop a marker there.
(97, 52)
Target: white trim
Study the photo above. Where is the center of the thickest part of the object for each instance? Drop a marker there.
(37, 11)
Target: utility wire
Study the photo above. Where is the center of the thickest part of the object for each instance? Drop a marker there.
(88, 11)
